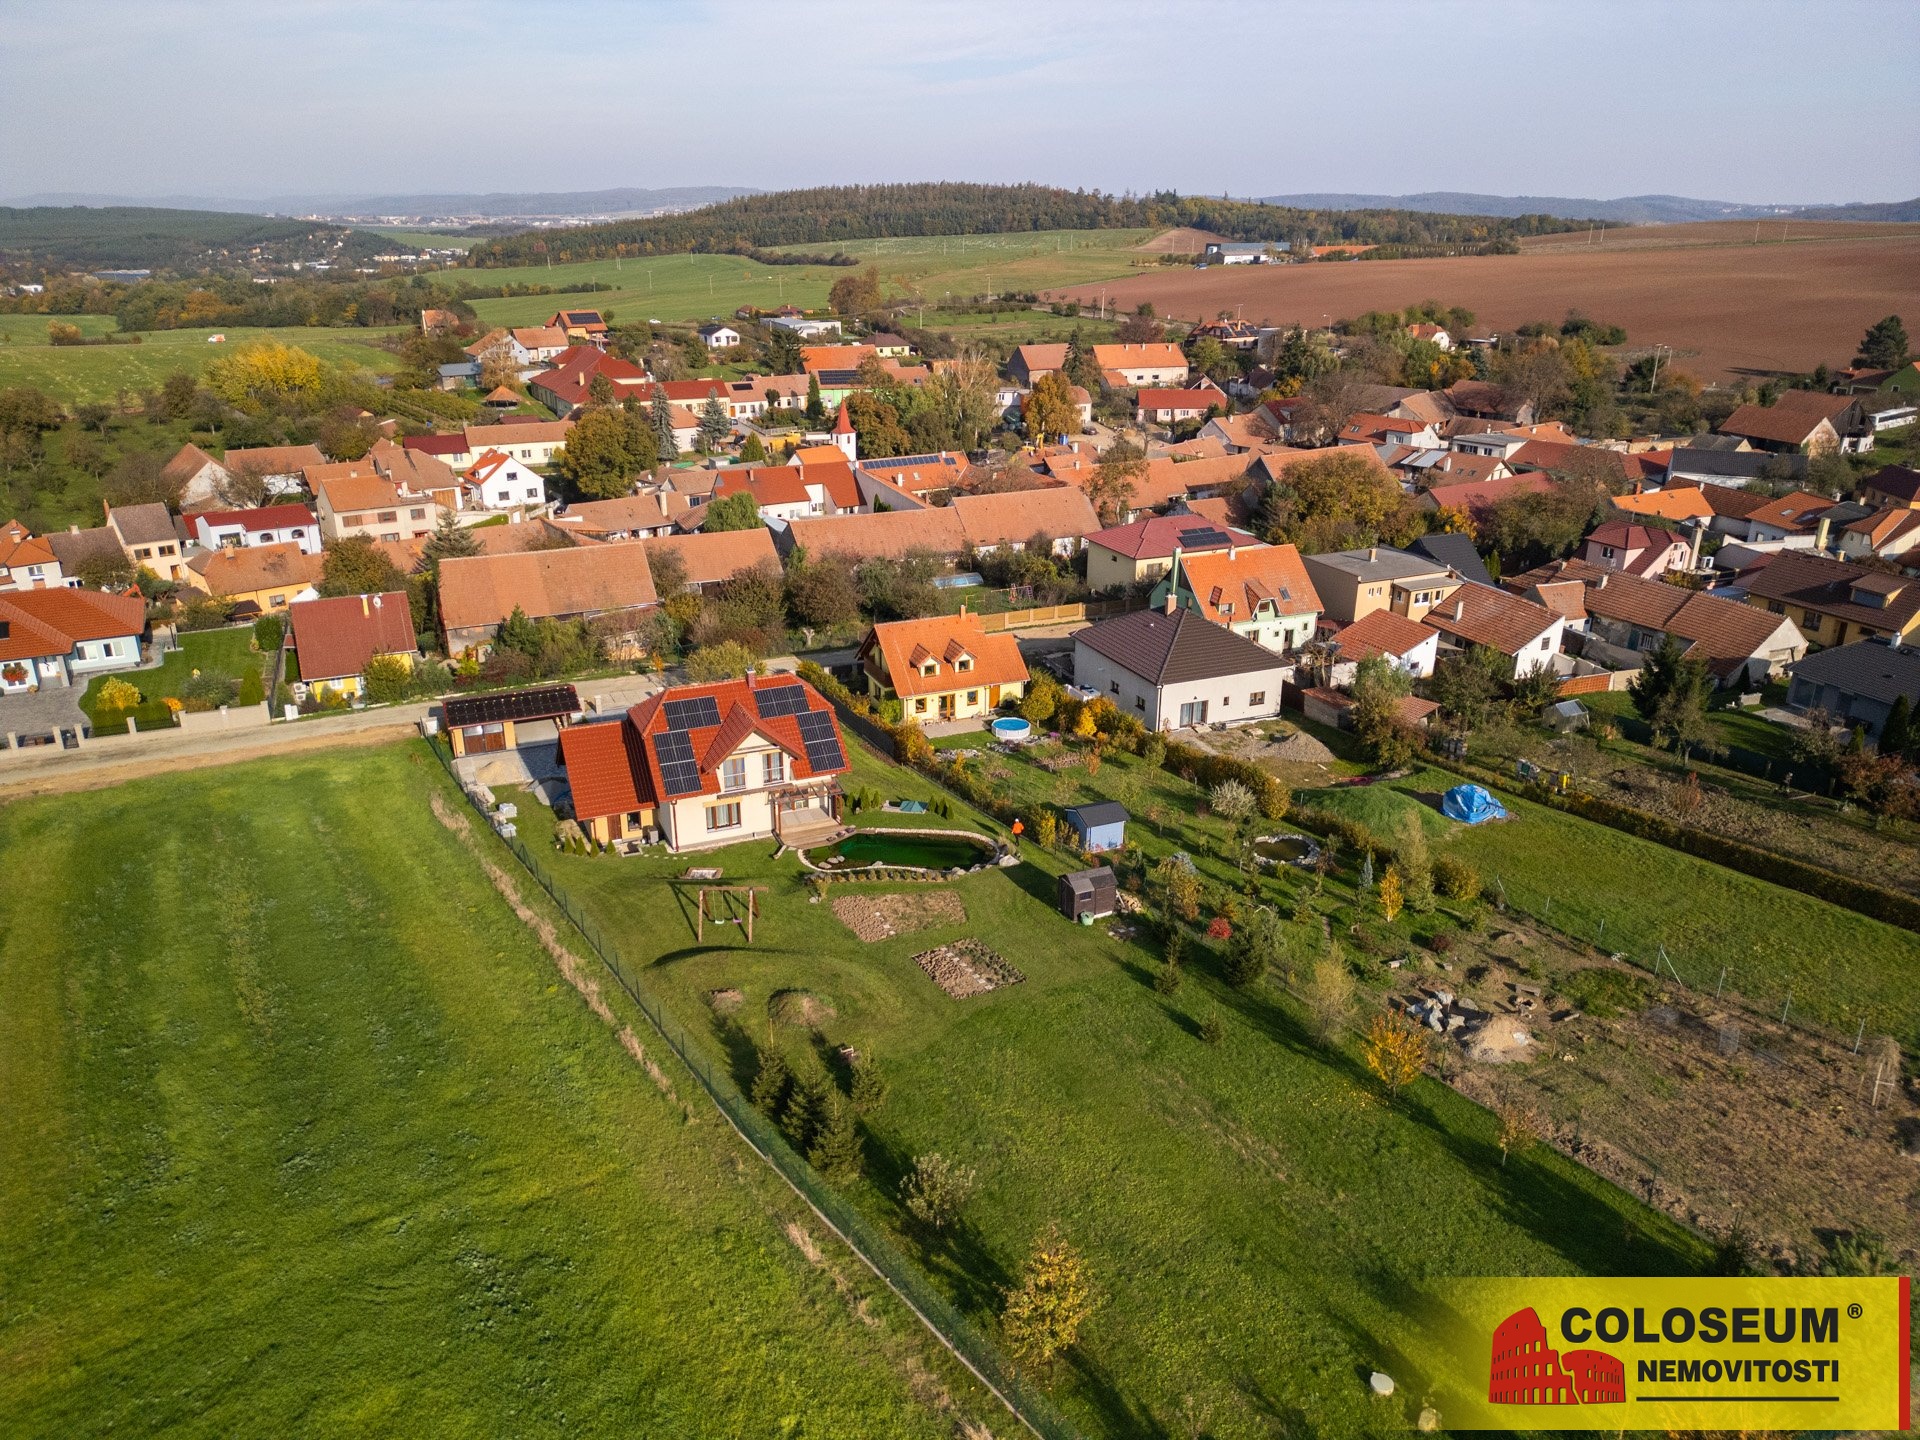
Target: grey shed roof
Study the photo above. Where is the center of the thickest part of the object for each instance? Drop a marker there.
(1876, 669)
(1378, 562)
(1101, 812)
(1731, 463)
(1168, 649)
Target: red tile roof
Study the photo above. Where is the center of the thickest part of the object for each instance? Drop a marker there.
(1790, 420)
(1481, 615)
(739, 718)
(1231, 584)
(1382, 633)
(1156, 536)
(606, 769)
(336, 637)
(40, 623)
(906, 645)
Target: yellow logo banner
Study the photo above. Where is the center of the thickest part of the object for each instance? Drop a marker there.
(1746, 1354)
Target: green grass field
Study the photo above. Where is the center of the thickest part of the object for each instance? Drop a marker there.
(1840, 966)
(427, 239)
(211, 652)
(305, 1134)
(77, 374)
(694, 287)
(1257, 1217)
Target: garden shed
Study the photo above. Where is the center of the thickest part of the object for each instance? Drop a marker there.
(1565, 716)
(1099, 826)
(1088, 894)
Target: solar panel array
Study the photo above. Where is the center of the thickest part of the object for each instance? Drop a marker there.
(897, 462)
(679, 771)
(780, 700)
(1204, 537)
(817, 733)
(692, 714)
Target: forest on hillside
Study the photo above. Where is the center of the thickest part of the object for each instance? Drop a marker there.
(830, 215)
(57, 238)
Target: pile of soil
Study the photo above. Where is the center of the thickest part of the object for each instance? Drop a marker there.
(800, 1007)
(966, 967)
(881, 917)
(724, 1002)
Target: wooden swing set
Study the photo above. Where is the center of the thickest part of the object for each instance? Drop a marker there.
(752, 893)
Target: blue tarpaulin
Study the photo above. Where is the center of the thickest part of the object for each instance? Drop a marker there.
(1472, 804)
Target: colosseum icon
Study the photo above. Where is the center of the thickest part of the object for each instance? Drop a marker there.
(1526, 1371)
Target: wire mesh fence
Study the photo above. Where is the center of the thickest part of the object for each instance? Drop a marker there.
(960, 1335)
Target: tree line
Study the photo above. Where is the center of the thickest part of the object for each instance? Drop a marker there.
(73, 237)
(835, 214)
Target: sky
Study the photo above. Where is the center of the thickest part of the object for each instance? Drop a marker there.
(1756, 101)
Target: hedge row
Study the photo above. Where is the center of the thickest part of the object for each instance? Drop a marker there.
(1206, 769)
(1874, 901)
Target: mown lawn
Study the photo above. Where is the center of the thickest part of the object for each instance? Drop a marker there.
(1840, 966)
(79, 374)
(1259, 1220)
(695, 287)
(211, 652)
(305, 1134)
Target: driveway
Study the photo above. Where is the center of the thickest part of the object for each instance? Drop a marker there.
(46, 711)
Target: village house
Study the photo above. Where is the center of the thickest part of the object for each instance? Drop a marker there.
(708, 559)
(886, 535)
(1352, 584)
(267, 525)
(1145, 549)
(1405, 644)
(1889, 532)
(258, 578)
(65, 636)
(1623, 617)
(1804, 422)
(1857, 684)
(945, 667)
(1484, 400)
(1834, 603)
(479, 592)
(1245, 252)
(1030, 362)
(1131, 366)
(1892, 485)
(1176, 407)
(27, 562)
(374, 506)
(925, 477)
(148, 536)
(821, 485)
(1234, 334)
(280, 468)
(719, 337)
(1435, 334)
(1261, 591)
(581, 325)
(1526, 633)
(1173, 668)
(334, 639)
(567, 388)
(195, 476)
(1170, 481)
(1061, 515)
(1788, 517)
(1475, 499)
(1364, 429)
(1636, 549)
(498, 482)
(630, 517)
(703, 765)
(1455, 551)
(807, 327)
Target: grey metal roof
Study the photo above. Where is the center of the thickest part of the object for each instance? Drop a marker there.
(1877, 669)
(1746, 463)
(1376, 563)
(1100, 812)
(1456, 551)
(1173, 649)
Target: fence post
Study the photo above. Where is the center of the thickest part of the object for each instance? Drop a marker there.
(1786, 1007)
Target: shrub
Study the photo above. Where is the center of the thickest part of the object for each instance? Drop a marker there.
(1213, 1029)
(1046, 829)
(1455, 879)
(387, 678)
(936, 1190)
(253, 689)
(729, 660)
(117, 694)
(269, 631)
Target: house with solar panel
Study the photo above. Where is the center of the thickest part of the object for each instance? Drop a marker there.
(1260, 591)
(699, 766)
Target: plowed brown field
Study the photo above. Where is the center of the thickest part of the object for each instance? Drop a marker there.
(1725, 308)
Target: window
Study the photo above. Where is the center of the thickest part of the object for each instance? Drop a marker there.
(393, 535)
(387, 517)
(965, 662)
(1140, 704)
(416, 514)
(166, 550)
(733, 773)
(920, 706)
(1194, 712)
(143, 553)
(1606, 552)
(773, 768)
(274, 601)
(1258, 697)
(973, 697)
(1113, 687)
(533, 492)
(724, 817)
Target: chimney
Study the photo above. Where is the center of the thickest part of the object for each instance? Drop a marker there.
(363, 606)
(1601, 583)
(1233, 549)
(1459, 610)
(1172, 604)
(1373, 553)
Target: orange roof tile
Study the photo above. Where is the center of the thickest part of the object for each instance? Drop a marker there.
(1231, 585)
(941, 640)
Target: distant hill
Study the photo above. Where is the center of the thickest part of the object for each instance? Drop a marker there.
(1628, 210)
(60, 238)
(499, 205)
(829, 216)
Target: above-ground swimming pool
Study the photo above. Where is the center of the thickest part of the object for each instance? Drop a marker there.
(1011, 727)
(911, 849)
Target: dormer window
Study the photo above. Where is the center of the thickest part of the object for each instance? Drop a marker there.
(965, 662)
(932, 667)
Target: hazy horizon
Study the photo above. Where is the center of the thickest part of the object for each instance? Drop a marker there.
(352, 99)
